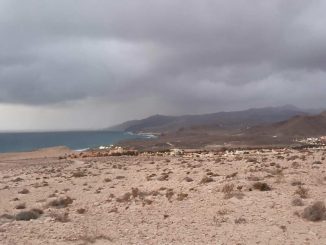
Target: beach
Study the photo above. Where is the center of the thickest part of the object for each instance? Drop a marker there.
(175, 197)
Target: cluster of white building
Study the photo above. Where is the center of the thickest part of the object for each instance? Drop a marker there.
(314, 140)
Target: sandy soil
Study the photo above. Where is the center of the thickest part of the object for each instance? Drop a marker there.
(192, 198)
(23, 159)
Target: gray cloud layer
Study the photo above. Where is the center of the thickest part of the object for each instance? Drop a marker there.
(186, 56)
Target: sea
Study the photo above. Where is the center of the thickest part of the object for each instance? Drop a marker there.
(75, 140)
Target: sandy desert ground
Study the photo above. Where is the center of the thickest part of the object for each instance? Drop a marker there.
(241, 197)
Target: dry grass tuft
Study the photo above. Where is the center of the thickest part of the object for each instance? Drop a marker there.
(302, 192)
(228, 190)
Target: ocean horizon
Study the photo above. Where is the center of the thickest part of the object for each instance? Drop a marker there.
(75, 140)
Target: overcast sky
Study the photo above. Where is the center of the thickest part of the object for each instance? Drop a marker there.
(89, 64)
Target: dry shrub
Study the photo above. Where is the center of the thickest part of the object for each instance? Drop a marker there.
(253, 178)
(169, 194)
(296, 183)
(28, 215)
(150, 177)
(315, 212)
(137, 195)
(163, 177)
(181, 196)
(231, 175)
(252, 160)
(297, 202)
(317, 162)
(223, 212)
(81, 210)
(78, 174)
(61, 202)
(279, 175)
(238, 158)
(135, 192)
(262, 186)
(91, 239)
(206, 179)
(146, 201)
(302, 192)
(18, 179)
(240, 221)
(295, 165)
(292, 158)
(211, 174)
(60, 217)
(120, 177)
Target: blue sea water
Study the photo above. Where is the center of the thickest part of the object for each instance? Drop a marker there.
(76, 140)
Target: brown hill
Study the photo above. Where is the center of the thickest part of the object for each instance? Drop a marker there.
(277, 134)
(298, 126)
(220, 120)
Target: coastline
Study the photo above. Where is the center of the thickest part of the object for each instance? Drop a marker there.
(75, 140)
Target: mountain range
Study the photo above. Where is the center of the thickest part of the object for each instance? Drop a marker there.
(220, 120)
(269, 126)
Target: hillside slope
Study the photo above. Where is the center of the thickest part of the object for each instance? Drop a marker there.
(220, 120)
(298, 126)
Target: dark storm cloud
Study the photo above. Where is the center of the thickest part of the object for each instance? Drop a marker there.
(190, 55)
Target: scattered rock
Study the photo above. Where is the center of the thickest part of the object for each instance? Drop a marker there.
(23, 191)
(188, 179)
(81, 210)
(20, 206)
